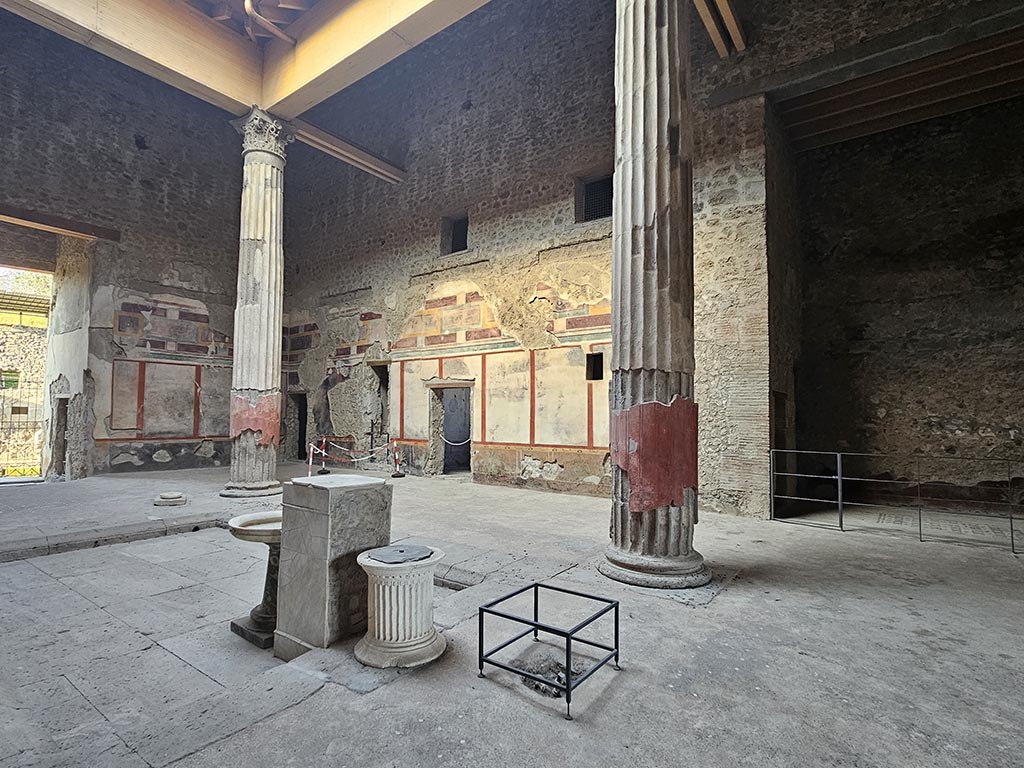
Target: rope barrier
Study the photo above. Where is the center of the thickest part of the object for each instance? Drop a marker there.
(455, 445)
(351, 457)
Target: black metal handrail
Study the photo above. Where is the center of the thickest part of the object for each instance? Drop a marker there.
(842, 479)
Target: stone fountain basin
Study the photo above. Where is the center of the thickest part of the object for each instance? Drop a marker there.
(259, 527)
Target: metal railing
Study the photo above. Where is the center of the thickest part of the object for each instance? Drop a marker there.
(21, 421)
(806, 486)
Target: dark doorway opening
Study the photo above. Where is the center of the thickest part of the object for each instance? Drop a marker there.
(299, 401)
(60, 438)
(455, 401)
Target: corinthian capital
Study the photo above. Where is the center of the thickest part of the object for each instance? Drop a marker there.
(262, 132)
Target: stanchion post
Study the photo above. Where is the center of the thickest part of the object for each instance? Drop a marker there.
(398, 467)
(323, 458)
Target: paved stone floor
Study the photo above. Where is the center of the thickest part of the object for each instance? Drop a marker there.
(810, 648)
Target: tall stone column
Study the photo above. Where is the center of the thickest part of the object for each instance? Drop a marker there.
(256, 377)
(653, 416)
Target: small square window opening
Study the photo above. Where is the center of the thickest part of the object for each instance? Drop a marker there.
(595, 366)
(454, 234)
(593, 198)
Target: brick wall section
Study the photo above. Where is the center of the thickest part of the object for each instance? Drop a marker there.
(89, 139)
(912, 322)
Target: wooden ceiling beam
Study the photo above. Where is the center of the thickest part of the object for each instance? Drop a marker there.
(996, 67)
(909, 117)
(346, 152)
(963, 57)
(732, 23)
(710, 19)
(171, 41)
(338, 42)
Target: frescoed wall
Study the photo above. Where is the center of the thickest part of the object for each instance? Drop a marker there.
(535, 417)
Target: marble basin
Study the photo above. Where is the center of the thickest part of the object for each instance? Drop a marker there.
(260, 527)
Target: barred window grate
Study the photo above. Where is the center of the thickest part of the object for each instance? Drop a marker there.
(594, 199)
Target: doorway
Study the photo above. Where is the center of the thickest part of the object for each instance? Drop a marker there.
(60, 438)
(299, 401)
(455, 401)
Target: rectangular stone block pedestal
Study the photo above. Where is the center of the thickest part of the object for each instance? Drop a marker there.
(322, 592)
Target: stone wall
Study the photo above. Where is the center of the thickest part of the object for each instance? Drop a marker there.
(22, 350)
(23, 248)
(731, 307)
(502, 138)
(914, 265)
(90, 140)
(787, 37)
(782, 207)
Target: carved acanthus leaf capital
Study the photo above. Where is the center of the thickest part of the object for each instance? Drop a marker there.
(262, 132)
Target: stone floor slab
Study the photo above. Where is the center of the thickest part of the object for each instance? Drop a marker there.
(169, 548)
(185, 729)
(141, 685)
(135, 578)
(181, 610)
(221, 654)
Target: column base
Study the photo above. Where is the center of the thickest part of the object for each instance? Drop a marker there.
(403, 655)
(243, 490)
(247, 630)
(655, 572)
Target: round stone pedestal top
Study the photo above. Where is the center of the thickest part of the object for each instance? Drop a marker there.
(261, 527)
(400, 553)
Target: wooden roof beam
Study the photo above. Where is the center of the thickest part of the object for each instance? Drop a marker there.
(169, 40)
(732, 23)
(710, 19)
(338, 42)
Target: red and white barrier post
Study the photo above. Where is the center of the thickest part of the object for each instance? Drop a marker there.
(323, 458)
(398, 466)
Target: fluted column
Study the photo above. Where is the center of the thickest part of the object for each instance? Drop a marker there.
(653, 416)
(256, 377)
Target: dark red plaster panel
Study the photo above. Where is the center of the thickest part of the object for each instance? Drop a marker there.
(656, 446)
(262, 416)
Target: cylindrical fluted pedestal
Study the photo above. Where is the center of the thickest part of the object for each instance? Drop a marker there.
(400, 630)
(256, 373)
(653, 421)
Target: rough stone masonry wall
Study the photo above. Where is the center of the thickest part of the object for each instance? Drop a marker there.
(731, 307)
(24, 248)
(783, 35)
(495, 118)
(503, 137)
(914, 295)
(23, 350)
(88, 139)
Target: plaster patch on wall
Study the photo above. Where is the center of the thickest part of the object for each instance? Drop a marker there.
(535, 469)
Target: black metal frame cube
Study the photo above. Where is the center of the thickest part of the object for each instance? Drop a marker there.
(536, 626)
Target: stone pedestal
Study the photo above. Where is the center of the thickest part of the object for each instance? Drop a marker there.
(263, 528)
(322, 591)
(653, 417)
(401, 630)
(256, 373)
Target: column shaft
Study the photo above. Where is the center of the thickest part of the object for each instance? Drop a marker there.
(653, 416)
(256, 376)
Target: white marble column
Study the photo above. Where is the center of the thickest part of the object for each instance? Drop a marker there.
(256, 377)
(653, 416)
